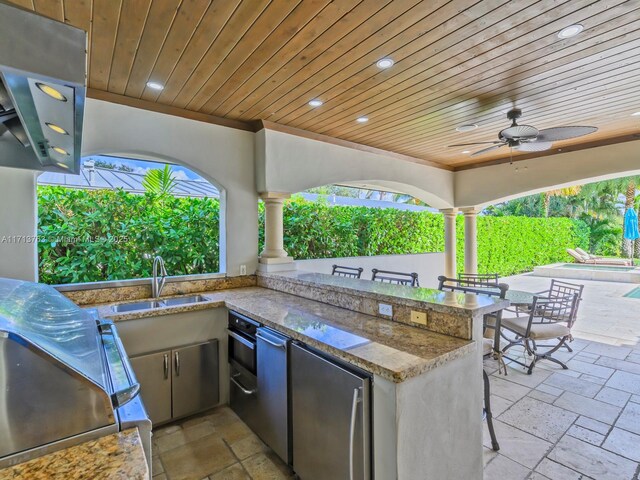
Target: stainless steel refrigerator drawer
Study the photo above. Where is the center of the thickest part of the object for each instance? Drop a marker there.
(331, 419)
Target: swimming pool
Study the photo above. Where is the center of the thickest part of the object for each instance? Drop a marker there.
(581, 271)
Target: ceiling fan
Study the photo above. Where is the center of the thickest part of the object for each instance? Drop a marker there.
(527, 138)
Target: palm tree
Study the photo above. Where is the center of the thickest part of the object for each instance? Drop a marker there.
(159, 182)
(628, 187)
(560, 192)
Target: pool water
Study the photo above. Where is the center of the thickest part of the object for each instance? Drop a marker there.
(635, 293)
(606, 268)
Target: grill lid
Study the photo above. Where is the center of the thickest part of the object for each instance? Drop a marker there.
(56, 326)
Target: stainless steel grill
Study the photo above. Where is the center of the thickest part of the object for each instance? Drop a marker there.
(64, 375)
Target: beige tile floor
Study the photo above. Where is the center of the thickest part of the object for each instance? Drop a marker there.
(215, 445)
(581, 423)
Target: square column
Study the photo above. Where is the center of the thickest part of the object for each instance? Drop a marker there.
(273, 252)
(470, 240)
(450, 264)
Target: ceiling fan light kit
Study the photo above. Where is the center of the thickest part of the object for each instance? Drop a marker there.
(527, 138)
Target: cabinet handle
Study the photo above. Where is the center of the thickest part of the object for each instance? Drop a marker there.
(244, 389)
(166, 366)
(177, 363)
(352, 428)
(273, 344)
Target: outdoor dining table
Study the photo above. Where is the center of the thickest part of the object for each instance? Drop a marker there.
(518, 299)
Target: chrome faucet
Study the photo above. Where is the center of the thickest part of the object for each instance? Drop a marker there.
(157, 284)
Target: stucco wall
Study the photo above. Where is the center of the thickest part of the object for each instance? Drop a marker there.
(492, 184)
(223, 155)
(288, 163)
(427, 265)
(18, 210)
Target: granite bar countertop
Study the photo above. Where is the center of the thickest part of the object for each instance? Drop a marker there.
(418, 297)
(117, 456)
(390, 349)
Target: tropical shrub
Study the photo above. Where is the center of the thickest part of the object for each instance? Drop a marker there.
(95, 235)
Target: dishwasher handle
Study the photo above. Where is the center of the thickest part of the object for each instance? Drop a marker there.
(282, 345)
(352, 428)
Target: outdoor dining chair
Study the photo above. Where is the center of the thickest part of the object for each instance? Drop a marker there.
(559, 289)
(550, 319)
(342, 271)
(493, 290)
(399, 278)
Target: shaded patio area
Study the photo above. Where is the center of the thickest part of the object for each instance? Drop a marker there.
(578, 423)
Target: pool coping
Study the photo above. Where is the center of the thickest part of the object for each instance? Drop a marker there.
(554, 270)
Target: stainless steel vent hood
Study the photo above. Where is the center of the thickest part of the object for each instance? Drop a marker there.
(42, 91)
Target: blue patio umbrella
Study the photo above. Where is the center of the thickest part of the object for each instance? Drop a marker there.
(631, 226)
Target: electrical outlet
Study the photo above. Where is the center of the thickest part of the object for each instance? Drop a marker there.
(243, 269)
(384, 309)
(419, 317)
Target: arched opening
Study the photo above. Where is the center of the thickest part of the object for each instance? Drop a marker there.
(109, 222)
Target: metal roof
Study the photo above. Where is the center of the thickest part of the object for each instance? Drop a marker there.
(95, 178)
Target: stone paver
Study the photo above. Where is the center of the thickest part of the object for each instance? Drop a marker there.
(628, 382)
(630, 418)
(556, 471)
(624, 443)
(519, 446)
(591, 460)
(600, 393)
(502, 468)
(589, 407)
(538, 418)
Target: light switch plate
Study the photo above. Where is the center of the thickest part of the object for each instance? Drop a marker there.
(243, 269)
(385, 309)
(419, 317)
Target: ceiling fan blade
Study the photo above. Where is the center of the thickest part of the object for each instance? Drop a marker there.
(563, 133)
(474, 143)
(534, 146)
(487, 150)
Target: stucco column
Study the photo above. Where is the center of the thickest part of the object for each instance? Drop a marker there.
(450, 265)
(470, 240)
(273, 251)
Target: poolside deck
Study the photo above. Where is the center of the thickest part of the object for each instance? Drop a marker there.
(579, 423)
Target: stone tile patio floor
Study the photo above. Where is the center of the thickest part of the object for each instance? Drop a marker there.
(581, 423)
(215, 445)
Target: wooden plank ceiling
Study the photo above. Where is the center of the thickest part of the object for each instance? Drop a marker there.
(456, 62)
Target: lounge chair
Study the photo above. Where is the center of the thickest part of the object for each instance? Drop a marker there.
(598, 257)
(621, 262)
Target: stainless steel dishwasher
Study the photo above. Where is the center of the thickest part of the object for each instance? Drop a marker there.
(273, 392)
(331, 418)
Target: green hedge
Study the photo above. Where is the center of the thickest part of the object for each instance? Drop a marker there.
(93, 235)
(98, 235)
(506, 245)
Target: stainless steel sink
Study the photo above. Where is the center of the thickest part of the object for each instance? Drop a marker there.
(171, 302)
(128, 307)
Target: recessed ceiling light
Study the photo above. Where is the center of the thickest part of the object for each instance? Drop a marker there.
(59, 150)
(385, 63)
(637, 114)
(466, 151)
(60, 164)
(155, 85)
(56, 128)
(52, 92)
(362, 119)
(570, 31)
(315, 103)
(466, 128)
